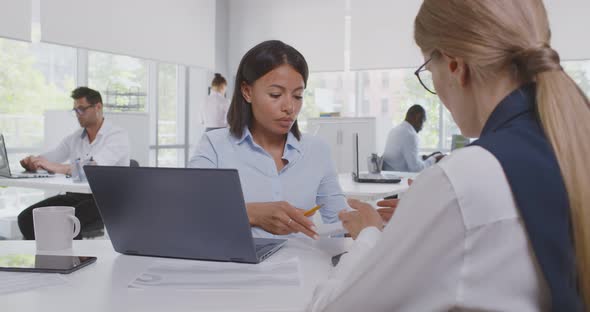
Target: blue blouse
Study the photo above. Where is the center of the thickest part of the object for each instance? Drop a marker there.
(309, 178)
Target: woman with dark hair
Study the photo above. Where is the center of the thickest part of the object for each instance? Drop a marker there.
(216, 107)
(283, 172)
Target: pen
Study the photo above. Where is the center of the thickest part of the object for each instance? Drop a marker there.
(312, 210)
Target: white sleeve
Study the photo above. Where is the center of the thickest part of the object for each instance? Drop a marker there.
(61, 153)
(423, 243)
(329, 191)
(115, 150)
(204, 155)
(411, 156)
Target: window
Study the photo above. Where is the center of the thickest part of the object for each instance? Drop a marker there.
(580, 73)
(328, 92)
(121, 80)
(385, 80)
(170, 145)
(390, 93)
(34, 77)
(384, 105)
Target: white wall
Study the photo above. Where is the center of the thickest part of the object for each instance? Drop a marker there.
(315, 28)
(222, 38)
(15, 19)
(382, 34)
(569, 22)
(173, 31)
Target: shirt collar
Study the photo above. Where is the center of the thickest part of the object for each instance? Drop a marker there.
(292, 142)
(518, 102)
(213, 92)
(245, 135)
(409, 126)
(103, 129)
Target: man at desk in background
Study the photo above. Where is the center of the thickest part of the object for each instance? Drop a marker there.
(97, 140)
(401, 149)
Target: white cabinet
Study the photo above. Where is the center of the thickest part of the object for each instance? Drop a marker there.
(338, 131)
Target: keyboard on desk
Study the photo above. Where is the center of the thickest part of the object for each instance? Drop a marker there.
(267, 246)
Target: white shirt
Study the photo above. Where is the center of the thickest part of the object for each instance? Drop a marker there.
(309, 178)
(109, 148)
(462, 247)
(401, 150)
(215, 110)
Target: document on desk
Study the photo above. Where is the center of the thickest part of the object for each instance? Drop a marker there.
(11, 282)
(199, 275)
(331, 229)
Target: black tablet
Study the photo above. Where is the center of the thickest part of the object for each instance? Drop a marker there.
(43, 263)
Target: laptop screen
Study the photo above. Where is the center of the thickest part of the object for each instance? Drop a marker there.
(355, 153)
(4, 166)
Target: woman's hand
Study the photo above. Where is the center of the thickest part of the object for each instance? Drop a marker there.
(389, 208)
(363, 216)
(280, 218)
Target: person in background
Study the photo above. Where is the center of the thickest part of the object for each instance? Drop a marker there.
(283, 172)
(401, 149)
(97, 140)
(216, 106)
(502, 224)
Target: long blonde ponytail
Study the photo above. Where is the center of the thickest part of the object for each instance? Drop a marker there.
(498, 35)
(565, 114)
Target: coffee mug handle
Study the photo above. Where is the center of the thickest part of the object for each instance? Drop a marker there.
(76, 226)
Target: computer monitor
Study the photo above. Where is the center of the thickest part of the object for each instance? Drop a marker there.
(4, 166)
(367, 177)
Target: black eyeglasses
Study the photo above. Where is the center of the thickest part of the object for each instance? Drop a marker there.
(81, 110)
(425, 77)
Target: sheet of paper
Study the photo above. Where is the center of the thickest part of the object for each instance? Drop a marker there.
(11, 282)
(184, 275)
(331, 229)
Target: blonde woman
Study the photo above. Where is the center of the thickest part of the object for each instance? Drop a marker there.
(501, 225)
(216, 107)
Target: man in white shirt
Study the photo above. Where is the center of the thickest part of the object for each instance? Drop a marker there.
(401, 149)
(97, 140)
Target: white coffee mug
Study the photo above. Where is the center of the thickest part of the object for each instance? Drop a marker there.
(55, 227)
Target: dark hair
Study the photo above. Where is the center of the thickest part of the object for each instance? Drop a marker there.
(218, 80)
(256, 63)
(414, 110)
(92, 96)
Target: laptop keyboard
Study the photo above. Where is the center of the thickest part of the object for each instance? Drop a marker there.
(265, 249)
(378, 176)
(32, 175)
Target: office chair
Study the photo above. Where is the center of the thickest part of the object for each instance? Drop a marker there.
(96, 228)
(93, 230)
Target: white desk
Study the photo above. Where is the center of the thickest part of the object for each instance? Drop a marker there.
(362, 191)
(102, 286)
(373, 191)
(59, 183)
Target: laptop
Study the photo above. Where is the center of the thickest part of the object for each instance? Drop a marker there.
(5, 166)
(177, 213)
(367, 177)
